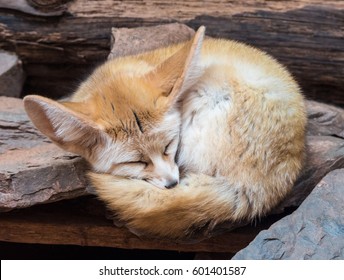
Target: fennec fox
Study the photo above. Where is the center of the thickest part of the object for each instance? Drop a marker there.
(220, 122)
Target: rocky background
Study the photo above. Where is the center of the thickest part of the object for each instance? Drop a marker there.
(307, 225)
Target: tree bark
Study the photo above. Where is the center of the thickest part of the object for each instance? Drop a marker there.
(59, 51)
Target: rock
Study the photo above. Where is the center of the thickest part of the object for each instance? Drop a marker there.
(325, 149)
(324, 154)
(32, 169)
(131, 41)
(314, 231)
(11, 75)
(325, 120)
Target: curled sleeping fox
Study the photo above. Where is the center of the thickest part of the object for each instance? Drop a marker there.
(185, 137)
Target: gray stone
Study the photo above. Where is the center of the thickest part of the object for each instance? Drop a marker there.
(131, 41)
(314, 231)
(326, 120)
(11, 75)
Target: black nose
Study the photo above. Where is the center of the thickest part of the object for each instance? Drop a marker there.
(171, 184)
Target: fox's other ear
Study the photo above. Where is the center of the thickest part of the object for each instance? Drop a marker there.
(180, 71)
(63, 124)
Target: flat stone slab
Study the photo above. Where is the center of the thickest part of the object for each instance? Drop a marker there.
(32, 169)
(314, 231)
(131, 41)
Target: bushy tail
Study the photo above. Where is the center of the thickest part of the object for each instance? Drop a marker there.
(199, 202)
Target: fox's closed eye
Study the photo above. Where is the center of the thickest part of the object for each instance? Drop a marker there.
(170, 147)
(137, 162)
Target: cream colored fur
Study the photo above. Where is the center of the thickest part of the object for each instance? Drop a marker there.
(225, 118)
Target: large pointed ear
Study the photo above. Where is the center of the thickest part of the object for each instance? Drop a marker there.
(180, 71)
(63, 123)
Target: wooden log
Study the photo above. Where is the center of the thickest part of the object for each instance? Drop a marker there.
(36, 7)
(11, 75)
(59, 51)
(81, 222)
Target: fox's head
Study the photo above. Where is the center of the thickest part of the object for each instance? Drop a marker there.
(128, 122)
